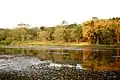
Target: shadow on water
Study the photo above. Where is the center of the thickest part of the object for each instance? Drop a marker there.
(55, 59)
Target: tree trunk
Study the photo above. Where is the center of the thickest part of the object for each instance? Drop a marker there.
(118, 54)
(97, 40)
(118, 39)
(77, 40)
(111, 41)
(117, 35)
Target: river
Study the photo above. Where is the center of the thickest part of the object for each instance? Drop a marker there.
(59, 63)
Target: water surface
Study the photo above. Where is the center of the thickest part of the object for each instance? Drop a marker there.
(59, 60)
(92, 58)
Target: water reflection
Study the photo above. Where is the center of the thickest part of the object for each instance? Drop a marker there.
(100, 59)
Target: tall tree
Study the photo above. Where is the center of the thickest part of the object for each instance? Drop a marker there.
(23, 28)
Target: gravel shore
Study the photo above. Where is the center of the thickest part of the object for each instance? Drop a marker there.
(57, 73)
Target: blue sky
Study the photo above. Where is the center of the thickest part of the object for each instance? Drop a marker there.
(53, 12)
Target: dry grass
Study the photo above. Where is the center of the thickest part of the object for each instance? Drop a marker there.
(57, 43)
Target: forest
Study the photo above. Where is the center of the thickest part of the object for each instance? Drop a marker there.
(94, 31)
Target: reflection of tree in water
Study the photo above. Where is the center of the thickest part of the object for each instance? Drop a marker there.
(88, 58)
(118, 54)
(51, 57)
(77, 56)
(96, 56)
(2, 50)
(65, 54)
(50, 53)
(100, 60)
(95, 59)
(22, 51)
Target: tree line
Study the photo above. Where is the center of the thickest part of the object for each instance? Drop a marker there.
(95, 31)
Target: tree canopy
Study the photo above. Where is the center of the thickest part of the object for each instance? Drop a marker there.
(95, 31)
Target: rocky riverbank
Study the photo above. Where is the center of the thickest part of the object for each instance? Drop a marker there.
(53, 73)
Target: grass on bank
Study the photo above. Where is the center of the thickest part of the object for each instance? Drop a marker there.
(46, 43)
(37, 43)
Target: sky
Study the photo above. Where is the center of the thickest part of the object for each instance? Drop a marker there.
(53, 12)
